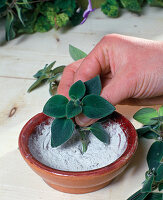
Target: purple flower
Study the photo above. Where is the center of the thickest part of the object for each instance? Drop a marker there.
(87, 11)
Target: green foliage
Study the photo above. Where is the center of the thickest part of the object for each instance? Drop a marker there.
(147, 186)
(95, 106)
(10, 33)
(56, 106)
(155, 155)
(77, 90)
(154, 176)
(158, 3)
(110, 8)
(93, 86)
(91, 105)
(144, 116)
(42, 24)
(47, 74)
(61, 20)
(138, 196)
(73, 108)
(61, 129)
(76, 53)
(98, 131)
(132, 5)
(159, 175)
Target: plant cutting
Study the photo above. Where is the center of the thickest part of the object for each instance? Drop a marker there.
(84, 98)
(152, 121)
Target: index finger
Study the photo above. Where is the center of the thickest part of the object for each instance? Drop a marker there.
(67, 78)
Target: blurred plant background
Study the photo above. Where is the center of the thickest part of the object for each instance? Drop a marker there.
(30, 16)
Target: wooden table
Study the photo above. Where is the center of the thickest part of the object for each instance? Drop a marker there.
(19, 60)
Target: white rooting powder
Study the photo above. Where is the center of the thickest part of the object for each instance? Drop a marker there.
(69, 156)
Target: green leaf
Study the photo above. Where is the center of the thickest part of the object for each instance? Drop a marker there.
(159, 171)
(93, 86)
(76, 53)
(160, 111)
(151, 135)
(61, 130)
(132, 5)
(73, 108)
(56, 106)
(154, 196)
(144, 116)
(95, 106)
(48, 68)
(26, 4)
(10, 33)
(147, 186)
(58, 70)
(42, 24)
(61, 20)
(160, 187)
(110, 8)
(138, 195)
(77, 90)
(37, 83)
(98, 131)
(155, 155)
(18, 9)
(143, 130)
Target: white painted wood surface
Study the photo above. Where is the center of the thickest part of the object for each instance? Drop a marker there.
(19, 60)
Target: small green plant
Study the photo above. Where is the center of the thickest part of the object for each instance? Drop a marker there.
(152, 129)
(84, 98)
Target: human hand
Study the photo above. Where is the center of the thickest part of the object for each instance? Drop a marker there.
(131, 71)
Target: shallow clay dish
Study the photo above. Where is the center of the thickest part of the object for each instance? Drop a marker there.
(78, 182)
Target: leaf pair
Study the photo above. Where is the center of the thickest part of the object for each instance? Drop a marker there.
(92, 105)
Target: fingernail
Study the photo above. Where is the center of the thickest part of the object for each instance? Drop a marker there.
(82, 120)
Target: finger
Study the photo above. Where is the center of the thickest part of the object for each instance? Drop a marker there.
(118, 89)
(68, 78)
(96, 63)
(83, 120)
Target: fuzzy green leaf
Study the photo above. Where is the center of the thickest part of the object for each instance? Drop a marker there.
(76, 53)
(98, 131)
(38, 83)
(61, 20)
(58, 70)
(138, 195)
(154, 196)
(73, 108)
(56, 106)
(77, 90)
(155, 154)
(61, 130)
(93, 86)
(95, 106)
(144, 116)
(147, 186)
(159, 172)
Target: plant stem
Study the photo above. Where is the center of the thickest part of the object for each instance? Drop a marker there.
(83, 140)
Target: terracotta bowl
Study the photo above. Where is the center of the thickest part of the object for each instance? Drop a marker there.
(78, 182)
